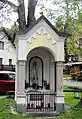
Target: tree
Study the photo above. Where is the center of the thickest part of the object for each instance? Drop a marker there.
(72, 26)
(59, 24)
(21, 12)
(9, 3)
(31, 11)
(69, 21)
(21, 15)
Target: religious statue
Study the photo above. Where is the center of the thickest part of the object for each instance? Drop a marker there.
(34, 73)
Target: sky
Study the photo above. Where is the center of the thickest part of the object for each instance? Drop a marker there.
(14, 15)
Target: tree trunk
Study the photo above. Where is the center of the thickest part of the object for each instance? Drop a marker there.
(21, 12)
(21, 15)
(31, 11)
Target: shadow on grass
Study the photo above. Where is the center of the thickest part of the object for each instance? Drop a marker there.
(79, 104)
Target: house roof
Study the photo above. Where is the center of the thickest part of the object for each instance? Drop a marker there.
(2, 29)
(36, 22)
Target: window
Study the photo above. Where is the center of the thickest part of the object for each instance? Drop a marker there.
(12, 76)
(3, 76)
(1, 45)
(1, 61)
(10, 61)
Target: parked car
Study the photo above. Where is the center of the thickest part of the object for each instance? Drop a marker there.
(7, 81)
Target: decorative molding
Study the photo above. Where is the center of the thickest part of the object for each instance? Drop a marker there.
(59, 64)
(39, 32)
(49, 37)
(21, 62)
(54, 42)
(45, 33)
(33, 37)
(20, 94)
(30, 41)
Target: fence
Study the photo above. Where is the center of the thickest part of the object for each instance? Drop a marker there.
(7, 67)
(40, 101)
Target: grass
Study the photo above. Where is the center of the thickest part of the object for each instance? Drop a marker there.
(65, 87)
(69, 97)
(73, 113)
(66, 75)
(5, 112)
(70, 100)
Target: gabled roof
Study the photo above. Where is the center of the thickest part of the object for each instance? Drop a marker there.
(2, 29)
(36, 22)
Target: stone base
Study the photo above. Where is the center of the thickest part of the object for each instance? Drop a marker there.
(41, 114)
(59, 107)
(21, 103)
(20, 98)
(59, 103)
(21, 108)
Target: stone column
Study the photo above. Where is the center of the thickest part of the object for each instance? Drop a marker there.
(59, 87)
(20, 95)
(20, 82)
(52, 84)
(52, 77)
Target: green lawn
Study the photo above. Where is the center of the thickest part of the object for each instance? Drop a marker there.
(69, 97)
(73, 113)
(66, 75)
(5, 112)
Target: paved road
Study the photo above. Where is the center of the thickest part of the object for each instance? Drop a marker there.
(73, 83)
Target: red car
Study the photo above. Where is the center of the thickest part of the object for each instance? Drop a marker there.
(7, 81)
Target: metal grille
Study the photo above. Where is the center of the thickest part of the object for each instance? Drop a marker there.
(40, 101)
(7, 67)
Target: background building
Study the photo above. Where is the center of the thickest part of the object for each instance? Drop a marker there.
(7, 51)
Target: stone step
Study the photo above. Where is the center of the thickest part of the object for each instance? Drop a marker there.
(41, 114)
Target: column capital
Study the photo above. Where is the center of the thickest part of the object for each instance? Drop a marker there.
(59, 63)
(21, 62)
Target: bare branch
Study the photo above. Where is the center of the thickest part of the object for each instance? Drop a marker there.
(9, 3)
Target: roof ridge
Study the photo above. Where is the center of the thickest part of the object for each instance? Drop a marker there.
(36, 22)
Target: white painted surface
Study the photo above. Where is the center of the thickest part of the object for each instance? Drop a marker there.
(21, 100)
(9, 51)
(60, 51)
(59, 100)
(22, 50)
(41, 27)
(47, 58)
